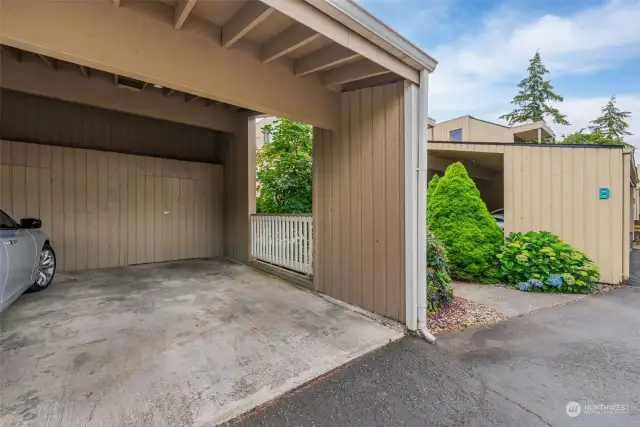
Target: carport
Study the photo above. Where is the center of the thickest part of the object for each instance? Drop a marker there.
(128, 128)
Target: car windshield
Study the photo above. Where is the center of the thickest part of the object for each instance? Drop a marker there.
(6, 221)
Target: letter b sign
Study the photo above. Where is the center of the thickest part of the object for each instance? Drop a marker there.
(604, 192)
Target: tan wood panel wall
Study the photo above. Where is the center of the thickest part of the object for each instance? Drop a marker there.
(556, 189)
(358, 200)
(40, 120)
(239, 188)
(104, 209)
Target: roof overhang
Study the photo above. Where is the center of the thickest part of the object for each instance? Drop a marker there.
(358, 19)
(529, 131)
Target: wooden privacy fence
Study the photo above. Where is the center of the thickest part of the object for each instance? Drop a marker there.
(283, 240)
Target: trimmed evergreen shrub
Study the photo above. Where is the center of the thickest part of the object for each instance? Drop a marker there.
(431, 188)
(461, 219)
(439, 291)
(539, 261)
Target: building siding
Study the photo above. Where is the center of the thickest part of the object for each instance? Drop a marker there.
(555, 189)
(358, 203)
(104, 209)
(31, 118)
(239, 188)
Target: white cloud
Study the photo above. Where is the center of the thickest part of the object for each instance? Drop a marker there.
(477, 73)
(583, 110)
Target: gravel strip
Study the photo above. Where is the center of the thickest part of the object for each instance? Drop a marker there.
(462, 313)
(602, 288)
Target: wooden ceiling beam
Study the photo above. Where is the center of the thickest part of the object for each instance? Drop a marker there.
(84, 70)
(351, 72)
(181, 12)
(246, 19)
(322, 59)
(49, 62)
(287, 41)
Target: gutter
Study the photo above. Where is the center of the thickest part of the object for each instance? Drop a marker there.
(421, 217)
(358, 19)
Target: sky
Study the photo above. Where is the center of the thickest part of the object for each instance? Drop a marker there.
(591, 48)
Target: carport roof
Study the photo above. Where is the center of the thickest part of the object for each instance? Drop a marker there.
(244, 52)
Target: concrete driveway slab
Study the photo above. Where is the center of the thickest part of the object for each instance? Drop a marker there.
(189, 343)
(511, 302)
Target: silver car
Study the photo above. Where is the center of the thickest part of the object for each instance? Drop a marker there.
(27, 260)
(498, 215)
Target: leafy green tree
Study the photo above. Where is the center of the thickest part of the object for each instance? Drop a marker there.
(534, 96)
(589, 138)
(612, 123)
(470, 234)
(284, 168)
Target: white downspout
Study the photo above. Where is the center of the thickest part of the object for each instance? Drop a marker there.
(421, 217)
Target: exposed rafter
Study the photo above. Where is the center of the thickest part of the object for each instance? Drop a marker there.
(182, 10)
(12, 52)
(246, 19)
(287, 41)
(322, 59)
(189, 98)
(49, 62)
(307, 14)
(351, 72)
(84, 70)
(167, 92)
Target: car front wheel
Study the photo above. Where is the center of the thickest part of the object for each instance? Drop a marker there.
(46, 269)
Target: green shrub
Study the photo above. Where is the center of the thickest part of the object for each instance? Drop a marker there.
(431, 188)
(539, 261)
(460, 218)
(439, 291)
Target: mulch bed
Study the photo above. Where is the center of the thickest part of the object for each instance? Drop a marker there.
(460, 314)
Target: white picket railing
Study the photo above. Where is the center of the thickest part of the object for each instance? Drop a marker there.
(283, 240)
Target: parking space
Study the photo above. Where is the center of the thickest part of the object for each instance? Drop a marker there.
(174, 344)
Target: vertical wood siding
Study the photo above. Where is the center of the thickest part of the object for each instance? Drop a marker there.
(239, 189)
(35, 119)
(358, 203)
(556, 189)
(104, 209)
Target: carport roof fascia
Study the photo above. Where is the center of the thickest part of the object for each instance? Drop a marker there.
(530, 144)
(358, 19)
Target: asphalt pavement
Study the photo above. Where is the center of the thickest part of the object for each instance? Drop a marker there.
(524, 371)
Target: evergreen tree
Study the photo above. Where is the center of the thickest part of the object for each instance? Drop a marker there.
(532, 100)
(470, 234)
(612, 123)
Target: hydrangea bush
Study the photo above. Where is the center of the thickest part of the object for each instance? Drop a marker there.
(439, 291)
(539, 261)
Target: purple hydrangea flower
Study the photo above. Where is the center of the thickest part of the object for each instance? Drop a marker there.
(555, 280)
(524, 286)
(536, 282)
